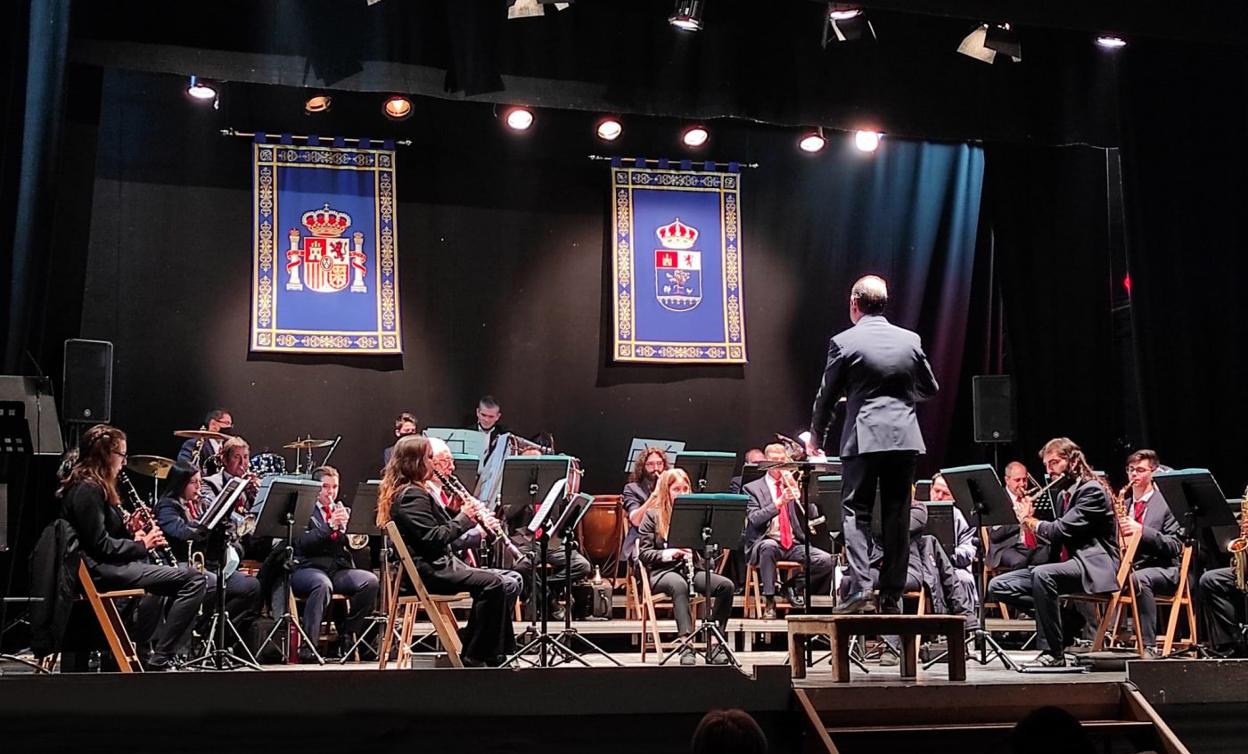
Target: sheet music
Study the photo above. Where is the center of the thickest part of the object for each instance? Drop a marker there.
(543, 510)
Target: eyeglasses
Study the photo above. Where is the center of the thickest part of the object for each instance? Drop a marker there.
(1139, 469)
(123, 455)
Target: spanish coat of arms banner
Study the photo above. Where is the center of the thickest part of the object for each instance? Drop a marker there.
(325, 275)
(676, 247)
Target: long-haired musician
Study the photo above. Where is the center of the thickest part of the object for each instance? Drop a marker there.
(118, 558)
(428, 530)
(670, 568)
(1083, 539)
(638, 493)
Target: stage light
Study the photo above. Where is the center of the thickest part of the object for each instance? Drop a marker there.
(687, 15)
(1110, 42)
(867, 141)
(609, 129)
(695, 136)
(317, 103)
(846, 23)
(201, 89)
(397, 107)
(987, 40)
(519, 118)
(812, 141)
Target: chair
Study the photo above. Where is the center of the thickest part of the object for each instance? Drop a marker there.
(650, 601)
(1111, 604)
(104, 605)
(437, 606)
(989, 572)
(1179, 603)
(785, 569)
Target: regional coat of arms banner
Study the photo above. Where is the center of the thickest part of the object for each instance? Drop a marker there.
(325, 273)
(676, 246)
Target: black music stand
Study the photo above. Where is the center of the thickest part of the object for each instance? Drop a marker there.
(281, 502)
(706, 523)
(528, 483)
(14, 441)
(978, 493)
(467, 471)
(364, 521)
(565, 532)
(1194, 498)
(709, 471)
(216, 521)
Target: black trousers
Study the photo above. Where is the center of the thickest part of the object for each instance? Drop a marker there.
(318, 588)
(675, 584)
(242, 597)
(767, 551)
(489, 633)
(1149, 582)
(1223, 607)
(578, 569)
(1039, 589)
(172, 602)
(892, 473)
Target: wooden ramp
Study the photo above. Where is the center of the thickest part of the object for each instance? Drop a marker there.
(963, 717)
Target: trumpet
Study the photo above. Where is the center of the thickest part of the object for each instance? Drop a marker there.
(354, 541)
(162, 555)
(480, 512)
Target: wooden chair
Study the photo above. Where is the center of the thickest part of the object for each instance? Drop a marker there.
(650, 601)
(1178, 603)
(104, 605)
(785, 570)
(989, 573)
(437, 606)
(1111, 604)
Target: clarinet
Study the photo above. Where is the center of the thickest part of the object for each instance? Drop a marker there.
(488, 522)
(161, 555)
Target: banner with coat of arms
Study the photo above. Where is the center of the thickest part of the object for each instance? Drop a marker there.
(677, 287)
(325, 273)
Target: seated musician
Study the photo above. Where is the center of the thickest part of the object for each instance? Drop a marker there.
(405, 424)
(217, 420)
(1222, 606)
(1157, 555)
(235, 457)
(428, 530)
(637, 495)
(119, 559)
(774, 531)
(176, 513)
(669, 568)
(965, 539)
(323, 568)
(444, 464)
(486, 420)
(1008, 549)
(1084, 541)
(753, 455)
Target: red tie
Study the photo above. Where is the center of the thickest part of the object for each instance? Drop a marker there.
(333, 533)
(786, 526)
(1139, 510)
(1029, 538)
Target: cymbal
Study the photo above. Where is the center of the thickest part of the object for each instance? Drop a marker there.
(196, 434)
(157, 466)
(308, 443)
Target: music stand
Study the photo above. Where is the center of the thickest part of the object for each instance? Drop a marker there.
(671, 448)
(215, 520)
(978, 493)
(706, 523)
(468, 471)
(14, 441)
(463, 441)
(940, 525)
(281, 501)
(564, 531)
(363, 520)
(709, 471)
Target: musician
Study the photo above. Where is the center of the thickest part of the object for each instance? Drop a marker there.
(444, 464)
(405, 424)
(216, 420)
(637, 495)
(177, 513)
(883, 372)
(966, 543)
(428, 530)
(323, 567)
(1084, 541)
(1009, 549)
(1222, 604)
(752, 456)
(120, 559)
(670, 567)
(774, 531)
(486, 420)
(235, 458)
(1156, 564)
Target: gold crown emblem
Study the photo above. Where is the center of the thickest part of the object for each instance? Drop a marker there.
(677, 235)
(326, 222)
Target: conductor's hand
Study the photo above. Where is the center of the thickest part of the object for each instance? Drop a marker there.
(151, 539)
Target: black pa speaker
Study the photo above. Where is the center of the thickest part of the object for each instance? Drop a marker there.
(88, 381)
(992, 398)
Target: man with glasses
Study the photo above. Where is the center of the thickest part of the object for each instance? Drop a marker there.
(1157, 556)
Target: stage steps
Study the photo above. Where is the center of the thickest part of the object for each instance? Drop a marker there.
(917, 718)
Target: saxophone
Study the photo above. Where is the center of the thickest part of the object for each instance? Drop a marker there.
(1238, 548)
(1120, 510)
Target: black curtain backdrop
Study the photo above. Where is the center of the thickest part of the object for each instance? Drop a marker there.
(502, 244)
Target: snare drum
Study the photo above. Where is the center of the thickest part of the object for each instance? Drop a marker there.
(266, 464)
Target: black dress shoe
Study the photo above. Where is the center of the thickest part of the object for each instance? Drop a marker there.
(306, 655)
(473, 662)
(769, 608)
(795, 596)
(1046, 660)
(889, 605)
(858, 602)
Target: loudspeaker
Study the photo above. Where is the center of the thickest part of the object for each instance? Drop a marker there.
(88, 381)
(4, 517)
(992, 398)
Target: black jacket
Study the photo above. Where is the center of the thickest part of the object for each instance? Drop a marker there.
(102, 533)
(1087, 529)
(761, 509)
(429, 530)
(1160, 545)
(172, 518)
(54, 580)
(650, 547)
(634, 496)
(320, 547)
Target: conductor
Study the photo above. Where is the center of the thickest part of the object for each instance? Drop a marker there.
(882, 372)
